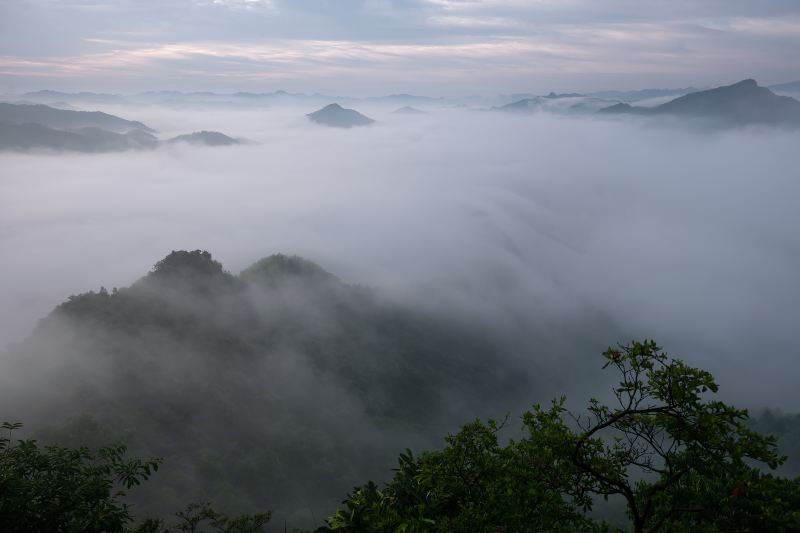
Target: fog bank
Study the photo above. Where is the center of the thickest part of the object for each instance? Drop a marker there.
(524, 222)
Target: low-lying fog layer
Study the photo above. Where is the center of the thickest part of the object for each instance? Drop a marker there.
(686, 237)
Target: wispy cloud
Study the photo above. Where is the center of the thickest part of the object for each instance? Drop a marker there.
(475, 22)
(777, 27)
(521, 44)
(241, 4)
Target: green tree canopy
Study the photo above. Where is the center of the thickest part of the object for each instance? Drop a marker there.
(680, 459)
(56, 489)
(59, 489)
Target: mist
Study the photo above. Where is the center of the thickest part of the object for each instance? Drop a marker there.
(519, 222)
(291, 258)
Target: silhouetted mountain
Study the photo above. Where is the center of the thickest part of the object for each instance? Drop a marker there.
(336, 116)
(208, 138)
(743, 102)
(35, 136)
(66, 119)
(739, 104)
(408, 110)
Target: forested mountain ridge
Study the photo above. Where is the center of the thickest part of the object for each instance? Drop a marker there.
(279, 388)
(675, 457)
(276, 389)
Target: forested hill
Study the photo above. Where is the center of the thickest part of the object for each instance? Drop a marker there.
(281, 389)
(278, 388)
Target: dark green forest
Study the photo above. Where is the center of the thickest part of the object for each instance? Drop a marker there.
(199, 400)
(281, 384)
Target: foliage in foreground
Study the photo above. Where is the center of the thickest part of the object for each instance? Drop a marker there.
(680, 460)
(65, 489)
(73, 490)
(198, 517)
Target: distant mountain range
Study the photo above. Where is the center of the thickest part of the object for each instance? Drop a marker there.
(237, 99)
(245, 98)
(50, 96)
(30, 127)
(336, 116)
(25, 126)
(571, 103)
(740, 104)
(643, 94)
(790, 87)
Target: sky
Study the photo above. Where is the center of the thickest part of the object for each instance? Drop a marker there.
(371, 47)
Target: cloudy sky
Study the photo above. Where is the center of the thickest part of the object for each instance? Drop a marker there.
(360, 47)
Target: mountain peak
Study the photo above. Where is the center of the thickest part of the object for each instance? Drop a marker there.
(749, 82)
(740, 104)
(280, 267)
(339, 117)
(209, 138)
(182, 263)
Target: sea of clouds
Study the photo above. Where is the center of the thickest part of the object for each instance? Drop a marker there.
(534, 221)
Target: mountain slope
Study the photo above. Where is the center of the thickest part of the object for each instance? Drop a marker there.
(743, 102)
(277, 388)
(34, 126)
(35, 136)
(66, 119)
(740, 104)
